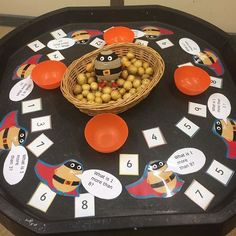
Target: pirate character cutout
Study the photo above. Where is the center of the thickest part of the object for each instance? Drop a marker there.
(25, 69)
(153, 32)
(209, 59)
(11, 132)
(227, 132)
(63, 179)
(156, 182)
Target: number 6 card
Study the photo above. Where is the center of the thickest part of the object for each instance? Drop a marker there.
(42, 198)
(129, 164)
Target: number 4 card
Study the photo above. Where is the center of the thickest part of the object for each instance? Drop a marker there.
(154, 137)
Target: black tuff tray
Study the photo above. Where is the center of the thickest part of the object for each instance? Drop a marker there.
(164, 107)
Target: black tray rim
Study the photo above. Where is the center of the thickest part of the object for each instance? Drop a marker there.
(152, 12)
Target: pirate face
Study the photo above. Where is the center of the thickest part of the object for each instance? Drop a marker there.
(81, 37)
(226, 130)
(157, 165)
(107, 57)
(218, 127)
(205, 58)
(22, 136)
(74, 165)
(151, 32)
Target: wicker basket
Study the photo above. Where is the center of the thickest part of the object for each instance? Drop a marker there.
(144, 53)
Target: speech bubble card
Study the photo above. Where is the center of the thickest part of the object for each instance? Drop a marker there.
(219, 106)
(101, 184)
(186, 161)
(15, 165)
(21, 90)
(61, 43)
(189, 46)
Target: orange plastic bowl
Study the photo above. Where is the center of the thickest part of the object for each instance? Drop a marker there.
(118, 34)
(106, 132)
(48, 74)
(191, 80)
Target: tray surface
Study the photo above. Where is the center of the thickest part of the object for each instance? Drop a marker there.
(165, 107)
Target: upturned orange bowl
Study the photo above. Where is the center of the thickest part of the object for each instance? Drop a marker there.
(118, 34)
(48, 74)
(191, 80)
(106, 132)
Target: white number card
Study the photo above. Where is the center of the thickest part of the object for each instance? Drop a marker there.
(36, 45)
(186, 64)
(164, 43)
(187, 126)
(57, 34)
(199, 194)
(197, 109)
(84, 205)
(141, 42)
(154, 137)
(55, 56)
(220, 172)
(98, 43)
(129, 164)
(40, 145)
(41, 123)
(31, 105)
(216, 82)
(42, 198)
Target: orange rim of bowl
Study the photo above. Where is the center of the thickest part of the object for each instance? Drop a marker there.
(41, 74)
(102, 119)
(118, 34)
(191, 71)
